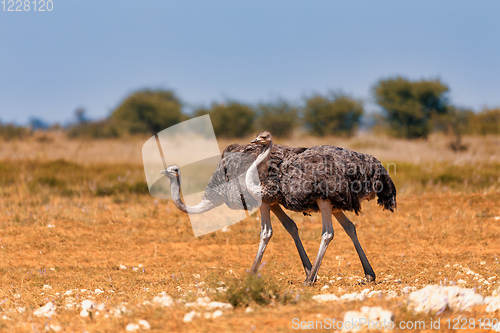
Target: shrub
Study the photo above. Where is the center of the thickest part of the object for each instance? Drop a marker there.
(485, 122)
(148, 111)
(11, 131)
(409, 106)
(279, 117)
(334, 114)
(231, 119)
(96, 129)
(257, 289)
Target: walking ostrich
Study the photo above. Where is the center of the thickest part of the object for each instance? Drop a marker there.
(285, 168)
(235, 160)
(327, 179)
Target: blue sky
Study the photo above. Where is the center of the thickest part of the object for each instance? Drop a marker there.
(93, 53)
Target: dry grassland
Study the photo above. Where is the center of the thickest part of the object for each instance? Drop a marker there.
(74, 214)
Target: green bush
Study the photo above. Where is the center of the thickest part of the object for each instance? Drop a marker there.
(257, 289)
(148, 111)
(279, 117)
(11, 132)
(334, 114)
(409, 106)
(97, 129)
(231, 119)
(485, 122)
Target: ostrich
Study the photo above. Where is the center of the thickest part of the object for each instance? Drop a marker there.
(285, 181)
(327, 179)
(235, 160)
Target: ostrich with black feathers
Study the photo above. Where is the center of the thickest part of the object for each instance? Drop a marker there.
(323, 179)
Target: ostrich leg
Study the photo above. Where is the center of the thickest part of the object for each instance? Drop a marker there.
(292, 229)
(350, 229)
(327, 235)
(266, 232)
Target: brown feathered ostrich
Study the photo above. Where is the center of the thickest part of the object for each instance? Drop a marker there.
(322, 178)
(327, 179)
(235, 161)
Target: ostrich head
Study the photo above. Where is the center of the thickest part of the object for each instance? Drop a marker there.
(172, 171)
(264, 138)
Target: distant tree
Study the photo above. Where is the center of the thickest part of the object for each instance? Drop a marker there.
(94, 129)
(80, 114)
(13, 132)
(231, 119)
(409, 106)
(38, 124)
(278, 117)
(485, 122)
(148, 111)
(333, 114)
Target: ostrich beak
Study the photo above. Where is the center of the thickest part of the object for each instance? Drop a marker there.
(256, 140)
(164, 172)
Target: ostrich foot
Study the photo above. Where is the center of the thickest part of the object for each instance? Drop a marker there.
(310, 283)
(370, 278)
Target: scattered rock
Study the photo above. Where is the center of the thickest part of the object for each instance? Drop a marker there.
(46, 287)
(132, 327)
(367, 318)
(435, 298)
(47, 310)
(55, 327)
(353, 297)
(493, 303)
(144, 324)
(206, 303)
(217, 314)
(163, 299)
(325, 298)
(188, 317)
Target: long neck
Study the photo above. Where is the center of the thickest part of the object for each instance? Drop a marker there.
(252, 177)
(203, 206)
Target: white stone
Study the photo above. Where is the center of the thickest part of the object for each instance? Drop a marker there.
(144, 324)
(188, 317)
(352, 297)
(164, 300)
(367, 317)
(132, 327)
(217, 314)
(55, 327)
(219, 305)
(88, 304)
(47, 310)
(325, 298)
(435, 298)
(46, 287)
(493, 303)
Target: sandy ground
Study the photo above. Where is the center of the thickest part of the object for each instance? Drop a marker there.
(121, 252)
